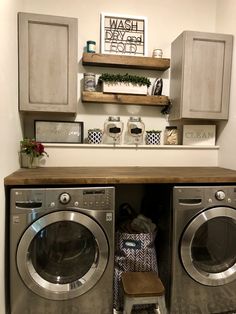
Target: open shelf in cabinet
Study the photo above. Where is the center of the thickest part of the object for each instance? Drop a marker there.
(124, 99)
(120, 61)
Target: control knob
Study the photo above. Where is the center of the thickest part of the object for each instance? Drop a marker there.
(220, 195)
(64, 198)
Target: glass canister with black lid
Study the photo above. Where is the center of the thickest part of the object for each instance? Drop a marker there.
(113, 129)
(135, 131)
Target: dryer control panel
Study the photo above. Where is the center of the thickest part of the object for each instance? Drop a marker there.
(202, 196)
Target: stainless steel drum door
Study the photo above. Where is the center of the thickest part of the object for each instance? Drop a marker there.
(207, 248)
(62, 255)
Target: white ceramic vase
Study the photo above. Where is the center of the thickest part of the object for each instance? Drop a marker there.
(28, 161)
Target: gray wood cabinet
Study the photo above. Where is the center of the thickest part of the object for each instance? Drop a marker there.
(200, 75)
(47, 63)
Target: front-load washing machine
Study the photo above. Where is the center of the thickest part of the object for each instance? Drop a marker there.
(61, 250)
(203, 250)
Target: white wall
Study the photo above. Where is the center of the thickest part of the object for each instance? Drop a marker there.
(226, 23)
(10, 132)
(146, 155)
(166, 20)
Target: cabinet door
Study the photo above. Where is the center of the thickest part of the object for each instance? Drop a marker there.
(47, 63)
(200, 75)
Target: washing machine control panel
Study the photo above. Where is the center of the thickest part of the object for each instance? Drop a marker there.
(41, 200)
(87, 198)
(220, 195)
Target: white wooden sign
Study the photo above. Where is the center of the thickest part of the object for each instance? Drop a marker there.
(199, 134)
(123, 34)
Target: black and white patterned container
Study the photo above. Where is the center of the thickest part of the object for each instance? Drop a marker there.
(94, 136)
(153, 138)
(133, 252)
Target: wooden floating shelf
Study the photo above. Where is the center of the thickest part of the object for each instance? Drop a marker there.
(120, 61)
(124, 99)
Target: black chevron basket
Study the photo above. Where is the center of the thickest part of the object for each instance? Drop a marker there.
(133, 252)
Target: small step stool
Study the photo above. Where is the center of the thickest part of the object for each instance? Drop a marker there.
(143, 288)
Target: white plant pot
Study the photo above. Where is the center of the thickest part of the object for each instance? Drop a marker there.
(124, 88)
(94, 137)
(153, 138)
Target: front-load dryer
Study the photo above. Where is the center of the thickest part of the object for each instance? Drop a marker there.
(203, 265)
(61, 250)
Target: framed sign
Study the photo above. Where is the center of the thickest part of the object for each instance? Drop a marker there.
(199, 134)
(123, 34)
(58, 131)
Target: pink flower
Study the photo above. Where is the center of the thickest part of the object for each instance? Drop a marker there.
(39, 148)
(32, 147)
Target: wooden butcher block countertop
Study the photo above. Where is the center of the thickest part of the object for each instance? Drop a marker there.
(119, 175)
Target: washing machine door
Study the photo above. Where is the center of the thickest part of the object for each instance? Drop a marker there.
(62, 255)
(207, 248)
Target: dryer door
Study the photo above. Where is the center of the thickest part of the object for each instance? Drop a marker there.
(207, 248)
(62, 255)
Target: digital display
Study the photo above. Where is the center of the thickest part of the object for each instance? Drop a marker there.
(91, 192)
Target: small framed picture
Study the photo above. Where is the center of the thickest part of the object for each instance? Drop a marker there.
(123, 34)
(58, 131)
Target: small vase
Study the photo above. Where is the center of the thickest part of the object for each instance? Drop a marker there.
(94, 136)
(153, 138)
(28, 161)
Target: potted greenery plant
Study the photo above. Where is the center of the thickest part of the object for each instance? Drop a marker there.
(30, 152)
(153, 137)
(124, 83)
